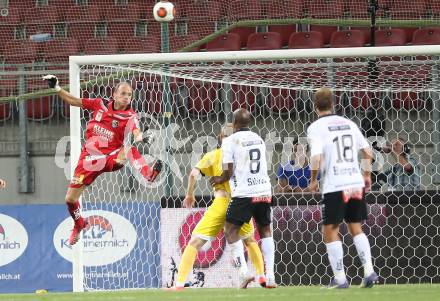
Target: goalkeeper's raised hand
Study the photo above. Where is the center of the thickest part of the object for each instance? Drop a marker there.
(52, 81)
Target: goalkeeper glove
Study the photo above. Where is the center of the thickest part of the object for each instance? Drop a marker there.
(52, 81)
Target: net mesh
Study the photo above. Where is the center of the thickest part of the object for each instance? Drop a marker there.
(389, 97)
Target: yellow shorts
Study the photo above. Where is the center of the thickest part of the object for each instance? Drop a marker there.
(214, 219)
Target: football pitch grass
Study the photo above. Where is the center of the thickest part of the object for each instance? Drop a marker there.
(428, 292)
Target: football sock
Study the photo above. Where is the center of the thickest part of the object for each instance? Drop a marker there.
(185, 265)
(256, 258)
(364, 252)
(268, 249)
(74, 211)
(137, 161)
(335, 256)
(238, 257)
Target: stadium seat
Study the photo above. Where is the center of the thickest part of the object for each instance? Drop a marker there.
(179, 42)
(149, 44)
(304, 40)
(85, 13)
(366, 31)
(264, 41)
(244, 33)
(101, 46)
(284, 30)
(347, 38)
(39, 109)
(20, 52)
(13, 16)
(390, 37)
(6, 34)
(321, 9)
(130, 12)
(283, 9)
(81, 22)
(5, 111)
(326, 31)
(426, 36)
(409, 32)
(244, 10)
(435, 8)
(227, 42)
(59, 50)
(121, 30)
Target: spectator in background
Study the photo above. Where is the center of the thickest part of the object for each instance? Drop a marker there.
(2, 183)
(405, 173)
(295, 175)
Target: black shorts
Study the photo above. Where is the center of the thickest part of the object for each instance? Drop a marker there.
(240, 211)
(334, 210)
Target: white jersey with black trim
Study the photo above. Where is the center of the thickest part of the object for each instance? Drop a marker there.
(338, 140)
(247, 151)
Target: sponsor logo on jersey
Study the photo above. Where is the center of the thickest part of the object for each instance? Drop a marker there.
(102, 132)
(107, 238)
(13, 239)
(115, 124)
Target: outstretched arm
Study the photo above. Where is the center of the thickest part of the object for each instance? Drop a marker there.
(68, 98)
(190, 199)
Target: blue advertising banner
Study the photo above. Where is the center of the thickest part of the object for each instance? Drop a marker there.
(121, 247)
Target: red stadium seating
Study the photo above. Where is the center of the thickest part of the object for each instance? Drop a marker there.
(326, 31)
(366, 31)
(179, 42)
(131, 12)
(81, 22)
(244, 33)
(414, 9)
(6, 34)
(41, 15)
(227, 42)
(5, 111)
(390, 37)
(264, 41)
(304, 40)
(202, 27)
(426, 36)
(347, 38)
(359, 9)
(435, 7)
(409, 32)
(149, 44)
(39, 109)
(211, 10)
(407, 101)
(284, 30)
(283, 9)
(244, 10)
(326, 9)
(101, 46)
(59, 50)
(20, 52)
(13, 16)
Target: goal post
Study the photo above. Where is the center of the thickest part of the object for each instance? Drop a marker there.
(398, 97)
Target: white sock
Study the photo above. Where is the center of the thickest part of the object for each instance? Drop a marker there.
(268, 250)
(364, 252)
(336, 257)
(237, 250)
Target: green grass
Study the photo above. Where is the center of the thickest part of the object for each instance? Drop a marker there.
(428, 292)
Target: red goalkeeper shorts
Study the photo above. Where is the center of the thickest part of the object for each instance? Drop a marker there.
(90, 167)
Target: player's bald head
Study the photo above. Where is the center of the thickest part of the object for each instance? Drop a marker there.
(241, 118)
(122, 84)
(323, 99)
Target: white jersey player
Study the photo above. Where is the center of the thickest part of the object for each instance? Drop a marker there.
(335, 143)
(245, 166)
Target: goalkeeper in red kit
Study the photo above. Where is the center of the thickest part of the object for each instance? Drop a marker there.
(104, 150)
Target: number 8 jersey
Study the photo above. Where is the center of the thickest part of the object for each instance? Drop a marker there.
(338, 140)
(247, 151)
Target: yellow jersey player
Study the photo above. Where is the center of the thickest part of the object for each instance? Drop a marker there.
(214, 219)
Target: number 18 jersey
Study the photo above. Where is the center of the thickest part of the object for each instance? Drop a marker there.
(338, 140)
(247, 151)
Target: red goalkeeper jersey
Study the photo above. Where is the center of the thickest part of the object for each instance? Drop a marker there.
(108, 127)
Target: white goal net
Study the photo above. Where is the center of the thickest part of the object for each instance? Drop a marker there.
(183, 99)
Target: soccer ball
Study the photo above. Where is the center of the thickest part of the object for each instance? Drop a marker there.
(164, 11)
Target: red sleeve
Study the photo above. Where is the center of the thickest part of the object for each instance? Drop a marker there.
(92, 104)
(134, 122)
